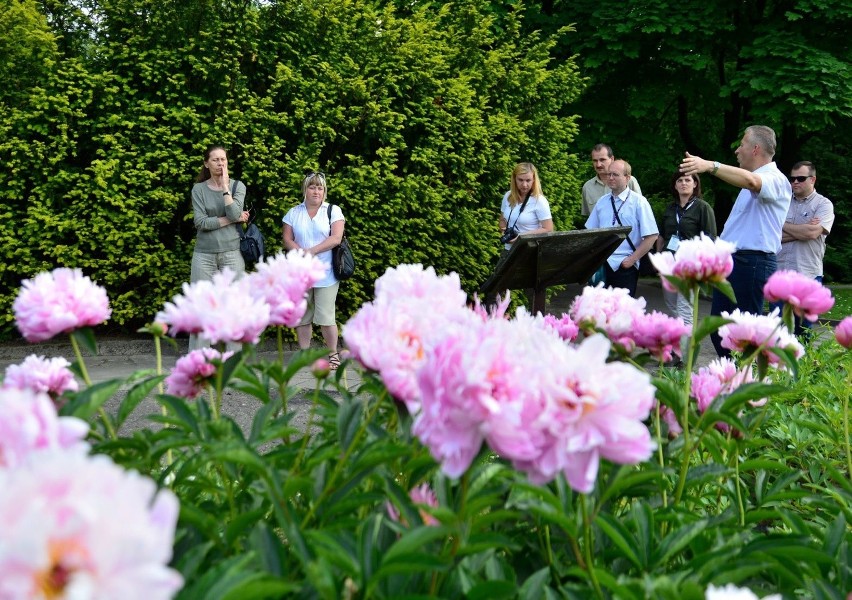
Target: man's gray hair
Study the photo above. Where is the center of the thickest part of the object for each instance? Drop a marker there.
(763, 136)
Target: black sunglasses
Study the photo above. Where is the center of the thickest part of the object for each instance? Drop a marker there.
(314, 174)
(799, 178)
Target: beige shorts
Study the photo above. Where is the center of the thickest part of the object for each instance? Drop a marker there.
(321, 306)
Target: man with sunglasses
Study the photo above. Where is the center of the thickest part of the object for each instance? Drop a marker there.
(755, 222)
(803, 234)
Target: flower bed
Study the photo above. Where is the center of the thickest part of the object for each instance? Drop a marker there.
(482, 455)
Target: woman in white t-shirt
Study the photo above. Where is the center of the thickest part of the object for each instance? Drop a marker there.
(524, 208)
(308, 226)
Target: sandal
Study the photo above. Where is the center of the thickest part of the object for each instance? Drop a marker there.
(334, 361)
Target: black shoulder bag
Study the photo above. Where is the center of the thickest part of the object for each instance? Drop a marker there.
(342, 260)
(251, 240)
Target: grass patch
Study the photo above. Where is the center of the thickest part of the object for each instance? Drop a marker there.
(842, 304)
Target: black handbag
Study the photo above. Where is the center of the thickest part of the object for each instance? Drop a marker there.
(251, 239)
(342, 260)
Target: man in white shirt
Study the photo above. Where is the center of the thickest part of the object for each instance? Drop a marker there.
(623, 206)
(808, 223)
(597, 187)
(755, 222)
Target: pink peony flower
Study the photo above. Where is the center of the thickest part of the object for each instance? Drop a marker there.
(75, 526)
(283, 282)
(720, 378)
(59, 302)
(749, 332)
(29, 423)
(191, 373)
(495, 311)
(670, 419)
(659, 333)
(421, 494)
(413, 281)
(598, 413)
(413, 309)
(807, 296)
(546, 417)
(221, 310)
(321, 368)
(454, 386)
(843, 332)
(611, 310)
(563, 326)
(701, 259)
(41, 375)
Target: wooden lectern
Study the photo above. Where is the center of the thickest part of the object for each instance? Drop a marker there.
(541, 260)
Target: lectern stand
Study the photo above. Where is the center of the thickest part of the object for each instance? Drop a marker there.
(541, 260)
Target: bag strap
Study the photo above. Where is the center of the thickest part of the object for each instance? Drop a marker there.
(330, 206)
(617, 218)
(523, 206)
(252, 212)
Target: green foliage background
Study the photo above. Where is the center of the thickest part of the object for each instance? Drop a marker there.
(417, 116)
(417, 110)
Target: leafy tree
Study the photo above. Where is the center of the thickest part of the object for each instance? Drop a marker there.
(418, 117)
(668, 77)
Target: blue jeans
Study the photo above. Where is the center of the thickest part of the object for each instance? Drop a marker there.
(751, 271)
(801, 324)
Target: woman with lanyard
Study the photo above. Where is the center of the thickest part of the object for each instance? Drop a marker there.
(686, 217)
(524, 208)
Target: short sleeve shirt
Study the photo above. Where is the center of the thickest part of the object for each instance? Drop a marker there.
(536, 211)
(309, 232)
(806, 256)
(755, 221)
(634, 211)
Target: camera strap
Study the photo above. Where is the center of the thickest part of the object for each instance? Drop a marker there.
(510, 227)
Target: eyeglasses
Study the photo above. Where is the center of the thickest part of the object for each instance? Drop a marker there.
(799, 178)
(615, 175)
(312, 174)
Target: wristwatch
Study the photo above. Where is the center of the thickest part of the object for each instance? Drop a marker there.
(226, 193)
(716, 166)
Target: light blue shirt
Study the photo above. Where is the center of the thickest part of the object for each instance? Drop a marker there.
(756, 220)
(633, 211)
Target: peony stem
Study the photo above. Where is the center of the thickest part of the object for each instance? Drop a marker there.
(158, 353)
(660, 449)
(280, 332)
(846, 425)
(80, 362)
(738, 484)
(85, 374)
(590, 564)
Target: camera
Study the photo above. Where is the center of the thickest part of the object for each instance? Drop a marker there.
(508, 235)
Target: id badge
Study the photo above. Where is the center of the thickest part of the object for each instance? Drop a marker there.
(673, 244)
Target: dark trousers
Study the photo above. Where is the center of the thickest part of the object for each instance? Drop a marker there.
(623, 278)
(751, 271)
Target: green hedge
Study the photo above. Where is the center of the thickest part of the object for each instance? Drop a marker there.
(417, 118)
